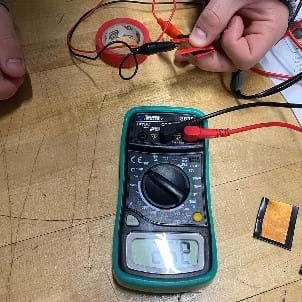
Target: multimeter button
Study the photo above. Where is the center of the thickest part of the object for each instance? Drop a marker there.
(132, 220)
(197, 217)
(142, 136)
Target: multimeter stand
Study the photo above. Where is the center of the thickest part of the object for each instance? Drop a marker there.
(164, 239)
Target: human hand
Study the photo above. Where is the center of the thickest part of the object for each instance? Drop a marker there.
(12, 68)
(247, 29)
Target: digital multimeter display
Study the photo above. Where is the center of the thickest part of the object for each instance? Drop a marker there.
(164, 239)
(163, 253)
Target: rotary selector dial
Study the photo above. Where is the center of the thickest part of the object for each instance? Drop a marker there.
(165, 186)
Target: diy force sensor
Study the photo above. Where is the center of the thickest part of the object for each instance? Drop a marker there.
(164, 238)
(275, 222)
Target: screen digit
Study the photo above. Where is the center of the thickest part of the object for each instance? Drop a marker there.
(185, 249)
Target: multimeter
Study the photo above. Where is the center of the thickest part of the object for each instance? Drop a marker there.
(164, 240)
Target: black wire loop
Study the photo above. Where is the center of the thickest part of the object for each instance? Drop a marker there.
(122, 64)
(130, 54)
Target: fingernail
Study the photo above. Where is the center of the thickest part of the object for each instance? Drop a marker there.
(198, 36)
(16, 63)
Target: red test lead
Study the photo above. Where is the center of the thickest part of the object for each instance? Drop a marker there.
(195, 133)
(170, 29)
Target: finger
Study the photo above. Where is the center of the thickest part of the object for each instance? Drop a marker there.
(181, 58)
(215, 62)
(8, 87)
(213, 20)
(11, 57)
(245, 48)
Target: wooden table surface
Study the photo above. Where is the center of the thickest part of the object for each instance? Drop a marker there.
(59, 153)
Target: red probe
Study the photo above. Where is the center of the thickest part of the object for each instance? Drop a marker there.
(195, 133)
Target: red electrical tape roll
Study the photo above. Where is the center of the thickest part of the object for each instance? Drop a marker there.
(119, 29)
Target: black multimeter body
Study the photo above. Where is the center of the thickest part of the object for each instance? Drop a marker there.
(164, 237)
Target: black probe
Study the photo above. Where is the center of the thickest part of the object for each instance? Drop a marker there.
(147, 49)
(154, 48)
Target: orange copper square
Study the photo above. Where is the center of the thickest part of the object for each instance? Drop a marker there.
(276, 221)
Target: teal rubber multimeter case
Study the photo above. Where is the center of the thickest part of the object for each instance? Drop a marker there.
(164, 240)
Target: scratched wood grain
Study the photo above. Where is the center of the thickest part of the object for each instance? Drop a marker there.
(59, 145)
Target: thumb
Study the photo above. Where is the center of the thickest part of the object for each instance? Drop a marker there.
(213, 20)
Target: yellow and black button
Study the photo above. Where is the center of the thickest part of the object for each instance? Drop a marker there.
(197, 216)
